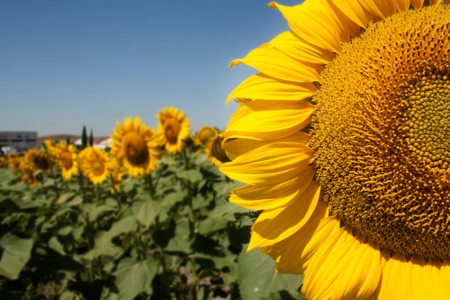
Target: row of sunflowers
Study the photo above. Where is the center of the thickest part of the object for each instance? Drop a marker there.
(135, 150)
(148, 218)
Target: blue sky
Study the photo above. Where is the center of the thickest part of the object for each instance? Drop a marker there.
(69, 63)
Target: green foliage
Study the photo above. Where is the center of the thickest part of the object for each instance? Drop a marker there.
(171, 235)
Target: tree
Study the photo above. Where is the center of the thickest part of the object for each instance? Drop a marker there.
(91, 138)
(84, 138)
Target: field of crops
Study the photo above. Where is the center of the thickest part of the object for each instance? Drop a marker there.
(101, 233)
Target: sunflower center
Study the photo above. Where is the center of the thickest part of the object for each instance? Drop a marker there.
(98, 168)
(41, 161)
(426, 120)
(135, 148)
(66, 160)
(381, 136)
(171, 130)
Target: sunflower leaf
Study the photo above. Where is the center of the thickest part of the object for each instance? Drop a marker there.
(258, 279)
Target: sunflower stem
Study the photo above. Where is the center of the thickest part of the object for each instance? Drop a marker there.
(194, 279)
(150, 184)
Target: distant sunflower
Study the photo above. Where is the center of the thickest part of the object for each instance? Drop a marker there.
(2, 163)
(66, 157)
(136, 147)
(117, 174)
(51, 149)
(205, 134)
(173, 128)
(343, 140)
(28, 173)
(39, 160)
(13, 161)
(215, 152)
(94, 165)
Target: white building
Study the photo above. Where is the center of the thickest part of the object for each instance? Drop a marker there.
(21, 140)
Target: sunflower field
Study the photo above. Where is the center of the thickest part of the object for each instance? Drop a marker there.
(148, 218)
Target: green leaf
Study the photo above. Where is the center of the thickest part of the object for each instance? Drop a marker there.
(258, 279)
(16, 253)
(211, 225)
(192, 175)
(134, 277)
(103, 243)
(5, 176)
(146, 211)
(65, 197)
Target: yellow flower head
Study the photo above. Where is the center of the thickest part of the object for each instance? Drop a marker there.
(116, 175)
(50, 148)
(343, 140)
(13, 161)
(66, 157)
(39, 160)
(173, 128)
(94, 164)
(135, 146)
(28, 173)
(205, 134)
(2, 162)
(215, 152)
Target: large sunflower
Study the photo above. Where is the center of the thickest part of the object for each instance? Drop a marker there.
(343, 142)
(173, 129)
(94, 164)
(66, 157)
(136, 147)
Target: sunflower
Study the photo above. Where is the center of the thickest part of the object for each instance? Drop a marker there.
(2, 163)
(117, 174)
(39, 160)
(13, 161)
(205, 134)
(66, 157)
(50, 148)
(342, 139)
(136, 147)
(173, 129)
(215, 152)
(28, 172)
(94, 164)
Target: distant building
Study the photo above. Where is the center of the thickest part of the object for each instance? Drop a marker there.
(21, 140)
(60, 137)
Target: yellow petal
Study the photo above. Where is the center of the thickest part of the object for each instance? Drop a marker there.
(269, 119)
(414, 279)
(417, 3)
(275, 63)
(271, 163)
(403, 5)
(275, 225)
(382, 9)
(263, 87)
(274, 195)
(294, 253)
(318, 22)
(355, 12)
(236, 147)
(347, 269)
(298, 48)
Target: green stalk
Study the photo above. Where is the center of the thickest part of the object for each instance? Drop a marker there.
(150, 184)
(193, 290)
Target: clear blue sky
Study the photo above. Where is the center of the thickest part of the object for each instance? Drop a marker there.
(69, 63)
